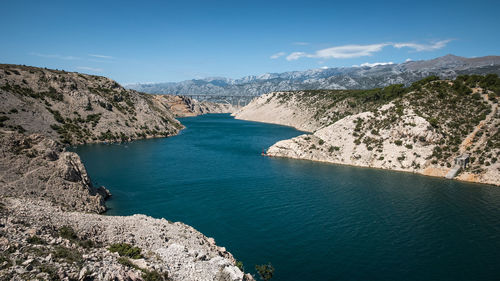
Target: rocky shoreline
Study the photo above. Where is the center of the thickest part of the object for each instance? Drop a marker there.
(50, 222)
(399, 134)
(42, 241)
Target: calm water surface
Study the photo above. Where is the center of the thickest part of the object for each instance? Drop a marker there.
(312, 221)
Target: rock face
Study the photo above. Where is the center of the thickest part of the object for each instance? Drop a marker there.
(77, 108)
(182, 106)
(37, 167)
(41, 241)
(419, 129)
(269, 109)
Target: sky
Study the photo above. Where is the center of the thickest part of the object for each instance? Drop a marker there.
(169, 41)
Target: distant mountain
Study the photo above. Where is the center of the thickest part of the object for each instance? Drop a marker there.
(363, 77)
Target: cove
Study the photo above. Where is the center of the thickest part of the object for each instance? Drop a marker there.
(312, 221)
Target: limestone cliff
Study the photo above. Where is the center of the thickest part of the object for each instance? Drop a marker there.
(182, 106)
(419, 129)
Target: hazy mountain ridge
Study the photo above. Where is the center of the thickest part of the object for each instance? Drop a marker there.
(448, 66)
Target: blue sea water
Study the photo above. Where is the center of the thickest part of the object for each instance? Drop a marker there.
(312, 221)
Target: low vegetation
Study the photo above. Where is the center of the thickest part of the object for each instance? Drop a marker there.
(126, 250)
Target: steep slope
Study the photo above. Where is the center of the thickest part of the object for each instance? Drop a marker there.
(420, 129)
(365, 77)
(78, 108)
(36, 167)
(182, 106)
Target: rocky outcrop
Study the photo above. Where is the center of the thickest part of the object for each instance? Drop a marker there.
(40, 241)
(77, 108)
(420, 129)
(50, 228)
(37, 167)
(182, 106)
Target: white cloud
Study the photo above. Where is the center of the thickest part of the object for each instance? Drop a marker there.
(324, 67)
(278, 55)
(408, 59)
(54, 56)
(301, 43)
(373, 64)
(101, 56)
(340, 52)
(296, 55)
(423, 47)
(86, 68)
(356, 51)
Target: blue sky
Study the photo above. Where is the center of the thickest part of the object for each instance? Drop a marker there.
(158, 41)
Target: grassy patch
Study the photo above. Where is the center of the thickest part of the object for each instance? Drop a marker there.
(67, 254)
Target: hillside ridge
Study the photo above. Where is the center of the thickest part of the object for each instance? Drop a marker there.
(422, 128)
(50, 227)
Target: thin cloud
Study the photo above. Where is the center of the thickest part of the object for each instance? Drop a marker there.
(301, 43)
(356, 51)
(373, 64)
(101, 56)
(55, 56)
(277, 55)
(423, 47)
(86, 68)
(340, 52)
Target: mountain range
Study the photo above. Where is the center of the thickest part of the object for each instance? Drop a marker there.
(356, 77)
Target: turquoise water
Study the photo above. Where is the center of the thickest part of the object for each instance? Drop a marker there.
(312, 221)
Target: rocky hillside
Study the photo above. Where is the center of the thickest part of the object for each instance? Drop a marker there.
(50, 228)
(182, 106)
(421, 128)
(76, 108)
(362, 77)
(37, 167)
(39, 241)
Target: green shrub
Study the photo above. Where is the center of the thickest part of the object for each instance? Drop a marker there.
(126, 250)
(239, 264)
(126, 262)
(50, 270)
(35, 240)
(433, 122)
(67, 254)
(333, 148)
(398, 142)
(67, 232)
(321, 142)
(154, 275)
